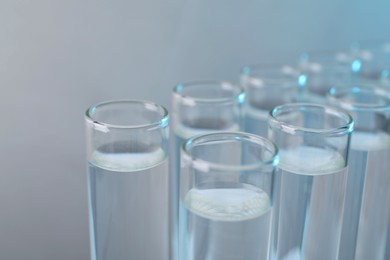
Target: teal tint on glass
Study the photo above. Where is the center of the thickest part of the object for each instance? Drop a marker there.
(356, 66)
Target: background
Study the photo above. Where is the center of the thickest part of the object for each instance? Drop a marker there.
(59, 57)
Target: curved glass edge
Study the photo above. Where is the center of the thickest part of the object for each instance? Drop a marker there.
(237, 90)
(274, 122)
(207, 166)
(162, 122)
(334, 98)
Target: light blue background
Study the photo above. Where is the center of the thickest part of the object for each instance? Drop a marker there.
(59, 57)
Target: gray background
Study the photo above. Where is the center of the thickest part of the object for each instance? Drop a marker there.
(59, 57)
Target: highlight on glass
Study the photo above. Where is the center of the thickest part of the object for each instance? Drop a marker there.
(267, 86)
(366, 225)
(310, 183)
(127, 153)
(226, 184)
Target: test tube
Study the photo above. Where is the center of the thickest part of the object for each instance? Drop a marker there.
(267, 86)
(226, 196)
(128, 181)
(374, 60)
(310, 181)
(322, 70)
(200, 107)
(367, 208)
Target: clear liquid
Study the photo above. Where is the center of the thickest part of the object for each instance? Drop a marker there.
(129, 213)
(225, 223)
(308, 204)
(366, 220)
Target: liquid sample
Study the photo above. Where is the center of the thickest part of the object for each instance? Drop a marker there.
(308, 204)
(128, 193)
(225, 223)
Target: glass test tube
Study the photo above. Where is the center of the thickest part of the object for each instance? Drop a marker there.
(226, 196)
(367, 208)
(127, 153)
(267, 86)
(198, 108)
(319, 71)
(374, 59)
(310, 182)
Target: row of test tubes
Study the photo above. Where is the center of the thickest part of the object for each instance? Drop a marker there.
(292, 163)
